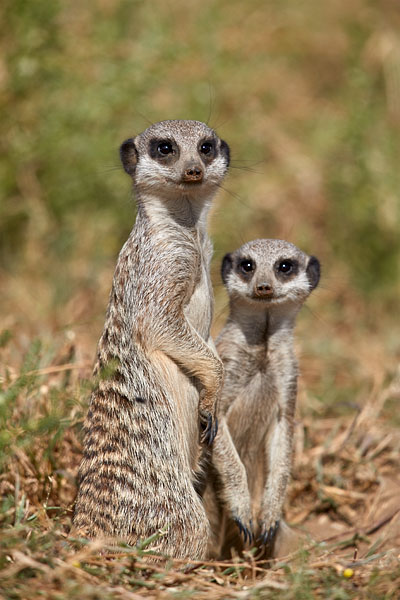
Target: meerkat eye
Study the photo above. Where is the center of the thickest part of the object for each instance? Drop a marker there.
(206, 147)
(285, 266)
(165, 148)
(247, 265)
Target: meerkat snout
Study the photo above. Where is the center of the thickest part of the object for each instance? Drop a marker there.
(263, 290)
(193, 174)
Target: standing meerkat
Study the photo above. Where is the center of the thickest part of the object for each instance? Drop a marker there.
(267, 282)
(141, 442)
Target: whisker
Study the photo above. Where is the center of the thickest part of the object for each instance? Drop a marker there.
(248, 168)
(111, 168)
(315, 315)
(142, 116)
(210, 103)
(233, 194)
(222, 123)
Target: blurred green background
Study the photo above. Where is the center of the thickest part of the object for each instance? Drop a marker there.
(307, 94)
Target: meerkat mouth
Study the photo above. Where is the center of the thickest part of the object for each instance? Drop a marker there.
(185, 185)
(267, 300)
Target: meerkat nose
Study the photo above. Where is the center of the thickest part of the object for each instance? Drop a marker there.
(193, 173)
(263, 290)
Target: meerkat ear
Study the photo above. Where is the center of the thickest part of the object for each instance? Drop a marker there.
(226, 266)
(129, 156)
(225, 151)
(313, 271)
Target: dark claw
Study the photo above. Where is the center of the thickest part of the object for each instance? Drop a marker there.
(244, 531)
(251, 531)
(210, 429)
(267, 537)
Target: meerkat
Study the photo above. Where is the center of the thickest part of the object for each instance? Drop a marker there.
(267, 282)
(141, 433)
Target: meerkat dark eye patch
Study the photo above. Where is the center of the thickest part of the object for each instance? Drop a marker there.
(163, 149)
(207, 150)
(207, 147)
(286, 267)
(246, 267)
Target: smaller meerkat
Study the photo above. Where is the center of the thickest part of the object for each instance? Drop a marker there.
(267, 282)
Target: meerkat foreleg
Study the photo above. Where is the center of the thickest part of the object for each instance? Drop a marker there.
(188, 349)
(233, 488)
(279, 452)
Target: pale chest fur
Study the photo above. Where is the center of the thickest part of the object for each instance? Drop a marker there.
(199, 309)
(251, 413)
(259, 386)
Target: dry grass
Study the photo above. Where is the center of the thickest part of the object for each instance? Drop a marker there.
(308, 97)
(342, 502)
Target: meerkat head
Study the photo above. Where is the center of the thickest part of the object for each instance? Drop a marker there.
(171, 156)
(267, 273)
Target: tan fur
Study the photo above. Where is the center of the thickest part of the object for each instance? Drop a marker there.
(251, 457)
(141, 447)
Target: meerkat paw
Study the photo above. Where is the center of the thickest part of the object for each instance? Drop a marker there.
(241, 513)
(268, 532)
(208, 419)
(246, 531)
(208, 426)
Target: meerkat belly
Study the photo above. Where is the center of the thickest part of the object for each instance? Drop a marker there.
(182, 389)
(250, 416)
(249, 420)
